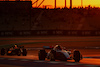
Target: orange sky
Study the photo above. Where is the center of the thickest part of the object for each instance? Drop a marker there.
(76, 3)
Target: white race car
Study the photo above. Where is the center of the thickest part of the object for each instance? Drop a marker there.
(57, 53)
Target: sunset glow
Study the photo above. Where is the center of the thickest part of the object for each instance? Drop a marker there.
(76, 3)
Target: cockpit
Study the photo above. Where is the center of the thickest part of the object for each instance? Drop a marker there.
(57, 47)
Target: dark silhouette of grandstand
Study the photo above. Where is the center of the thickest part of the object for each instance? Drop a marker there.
(15, 15)
(20, 16)
(66, 19)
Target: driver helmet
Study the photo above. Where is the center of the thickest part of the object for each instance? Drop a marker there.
(57, 47)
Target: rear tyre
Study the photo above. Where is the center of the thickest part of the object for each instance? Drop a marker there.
(24, 53)
(42, 54)
(76, 56)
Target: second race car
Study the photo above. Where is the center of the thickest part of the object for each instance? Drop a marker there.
(57, 53)
(14, 50)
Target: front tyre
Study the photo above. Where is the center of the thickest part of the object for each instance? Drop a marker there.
(42, 54)
(24, 53)
(76, 56)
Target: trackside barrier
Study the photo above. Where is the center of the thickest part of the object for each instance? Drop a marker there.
(51, 32)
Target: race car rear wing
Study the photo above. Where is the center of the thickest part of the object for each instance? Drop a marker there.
(47, 47)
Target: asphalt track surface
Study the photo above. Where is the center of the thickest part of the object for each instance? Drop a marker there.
(12, 62)
(89, 47)
(34, 63)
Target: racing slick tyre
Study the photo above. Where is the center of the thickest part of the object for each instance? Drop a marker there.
(24, 53)
(2, 51)
(42, 54)
(18, 52)
(76, 56)
(52, 55)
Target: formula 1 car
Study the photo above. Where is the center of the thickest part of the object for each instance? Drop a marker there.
(17, 51)
(57, 53)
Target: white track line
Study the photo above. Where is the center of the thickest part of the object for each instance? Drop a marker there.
(54, 62)
(92, 65)
(12, 59)
(39, 61)
(24, 60)
(2, 58)
(71, 64)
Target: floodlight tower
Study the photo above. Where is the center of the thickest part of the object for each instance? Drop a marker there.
(65, 3)
(70, 3)
(55, 3)
(81, 3)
